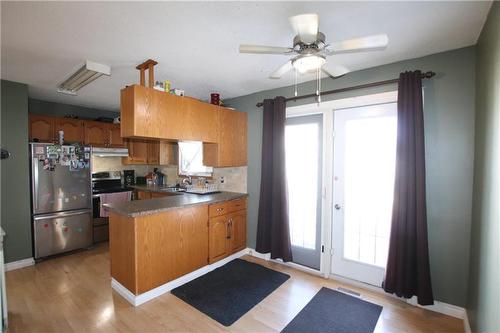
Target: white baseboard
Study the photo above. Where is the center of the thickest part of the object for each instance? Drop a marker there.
(467, 327)
(253, 253)
(440, 307)
(19, 264)
(137, 300)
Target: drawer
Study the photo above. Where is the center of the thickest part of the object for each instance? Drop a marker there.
(226, 207)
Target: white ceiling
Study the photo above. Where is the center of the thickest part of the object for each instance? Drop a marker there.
(196, 43)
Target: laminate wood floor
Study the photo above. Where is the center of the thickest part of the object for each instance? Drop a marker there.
(73, 294)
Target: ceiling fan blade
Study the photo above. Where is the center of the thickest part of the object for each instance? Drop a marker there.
(368, 43)
(335, 71)
(262, 49)
(306, 26)
(277, 74)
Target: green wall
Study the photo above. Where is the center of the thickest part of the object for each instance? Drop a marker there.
(60, 110)
(484, 286)
(15, 189)
(449, 129)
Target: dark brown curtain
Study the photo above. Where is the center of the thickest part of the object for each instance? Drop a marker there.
(407, 272)
(273, 234)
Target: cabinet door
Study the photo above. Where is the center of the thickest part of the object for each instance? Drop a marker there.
(231, 150)
(96, 133)
(233, 138)
(137, 152)
(218, 239)
(169, 153)
(144, 195)
(153, 153)
(115, 138)
(200, 121)
(238, 230)
(73, 129)
(41, 128)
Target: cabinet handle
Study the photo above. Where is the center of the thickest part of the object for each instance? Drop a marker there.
(230, 228)
(229, 225)
(219, 209)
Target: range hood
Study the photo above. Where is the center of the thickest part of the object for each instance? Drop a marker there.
(109, 152)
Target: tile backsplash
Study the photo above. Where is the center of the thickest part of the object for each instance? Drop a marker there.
(235, 179)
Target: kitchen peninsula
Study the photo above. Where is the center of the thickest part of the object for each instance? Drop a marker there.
(159, 244)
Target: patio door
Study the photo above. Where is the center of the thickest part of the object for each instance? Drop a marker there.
(363, 186)
(304, 155)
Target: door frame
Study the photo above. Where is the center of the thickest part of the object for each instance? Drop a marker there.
(327, 109)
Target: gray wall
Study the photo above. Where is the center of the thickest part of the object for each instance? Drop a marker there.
(15, 190)
(449, 129)
(60, 110)
(484, 285)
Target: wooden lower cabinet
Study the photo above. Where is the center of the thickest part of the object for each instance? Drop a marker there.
(227, 233)
(218, 241)
(149, 251)
(143, 195)
(238, 230)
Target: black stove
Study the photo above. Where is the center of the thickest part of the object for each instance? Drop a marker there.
(108, 182)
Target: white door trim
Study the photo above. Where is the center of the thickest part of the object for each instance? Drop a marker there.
(327, 109)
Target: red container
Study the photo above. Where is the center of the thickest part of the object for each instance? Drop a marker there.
(215, 98)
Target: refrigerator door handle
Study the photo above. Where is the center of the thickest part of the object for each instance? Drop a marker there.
(34, 183)
(62, 214)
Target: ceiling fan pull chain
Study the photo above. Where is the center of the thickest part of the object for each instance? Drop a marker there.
(318, 85)
(295, 70)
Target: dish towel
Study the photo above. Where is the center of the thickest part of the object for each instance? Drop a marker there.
(111, 198)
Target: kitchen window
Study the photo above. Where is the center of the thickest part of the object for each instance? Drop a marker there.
(191, 159)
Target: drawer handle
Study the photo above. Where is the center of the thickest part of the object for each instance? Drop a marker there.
(220, 209)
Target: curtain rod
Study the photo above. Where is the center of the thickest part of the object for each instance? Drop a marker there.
(425, 75)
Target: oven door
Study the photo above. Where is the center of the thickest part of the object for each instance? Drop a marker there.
(100, 225)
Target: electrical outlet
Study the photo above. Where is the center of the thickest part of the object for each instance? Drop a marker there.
(222, 180)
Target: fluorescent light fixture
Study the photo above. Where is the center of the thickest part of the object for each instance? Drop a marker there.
(308, 62)
(86, 74)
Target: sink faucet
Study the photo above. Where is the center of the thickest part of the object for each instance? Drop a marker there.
(187, 181)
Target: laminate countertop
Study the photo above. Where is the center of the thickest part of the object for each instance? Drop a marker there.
(154, 206)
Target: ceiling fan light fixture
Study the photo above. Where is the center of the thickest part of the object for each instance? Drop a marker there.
(309, 62)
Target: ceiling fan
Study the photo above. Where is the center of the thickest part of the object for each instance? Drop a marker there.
(310, 49)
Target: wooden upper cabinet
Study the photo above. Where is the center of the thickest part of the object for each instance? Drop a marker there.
(169, 153)
(115, 138)
(41, 128)
(200, 121)
(149, 113)
(96, 133)
(137, 152)
(153, 155)
(231, 149)
(73, 129)
(89, 132)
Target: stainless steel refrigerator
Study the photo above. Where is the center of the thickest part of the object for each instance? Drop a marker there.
(61, 198)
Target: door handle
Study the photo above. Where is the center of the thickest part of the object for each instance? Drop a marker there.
(35, 183)
(337, 206)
